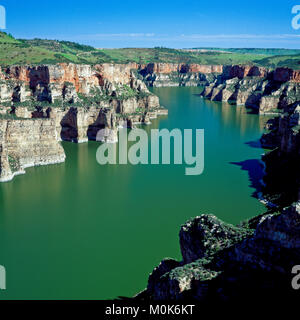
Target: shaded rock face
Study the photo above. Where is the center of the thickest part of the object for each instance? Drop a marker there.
(245, 261)
(241, 72)
(282, 178)
(285, 74)
(205, 235)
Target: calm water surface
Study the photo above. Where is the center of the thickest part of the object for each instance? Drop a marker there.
(79, 230)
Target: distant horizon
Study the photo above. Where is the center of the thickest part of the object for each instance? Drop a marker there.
(134, 47)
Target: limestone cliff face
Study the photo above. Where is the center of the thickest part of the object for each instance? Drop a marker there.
(82, 77)
(266, 92)
(76, 101)
(173, 75)
(27, 143)
(168, 74)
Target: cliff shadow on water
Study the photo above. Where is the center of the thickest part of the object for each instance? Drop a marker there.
(255, 170)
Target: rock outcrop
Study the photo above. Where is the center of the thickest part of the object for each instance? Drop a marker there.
(226, 263)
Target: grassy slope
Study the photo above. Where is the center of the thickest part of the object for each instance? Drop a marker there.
(38, 51)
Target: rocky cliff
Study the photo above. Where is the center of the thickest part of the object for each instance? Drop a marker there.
(27, 143)
(222, 262)
(282, 178)
(76, 101)
(267, 92)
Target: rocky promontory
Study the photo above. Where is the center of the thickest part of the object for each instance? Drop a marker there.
(222, 262)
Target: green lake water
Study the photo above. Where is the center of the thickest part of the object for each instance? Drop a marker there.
(79, 230)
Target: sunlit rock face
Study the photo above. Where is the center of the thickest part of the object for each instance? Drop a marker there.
(27, 143)
(267, 92)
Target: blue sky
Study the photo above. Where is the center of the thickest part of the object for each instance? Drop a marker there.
(178, 24)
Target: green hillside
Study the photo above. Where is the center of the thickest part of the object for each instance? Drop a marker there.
(39, 51)
(7, 38)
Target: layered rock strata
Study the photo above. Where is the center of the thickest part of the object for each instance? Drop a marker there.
(27, 143)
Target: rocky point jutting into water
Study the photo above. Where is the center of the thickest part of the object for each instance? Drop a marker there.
(41, 105)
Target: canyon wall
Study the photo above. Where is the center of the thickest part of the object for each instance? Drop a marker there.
(264, 90)
(66, 102)
(82, 99)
